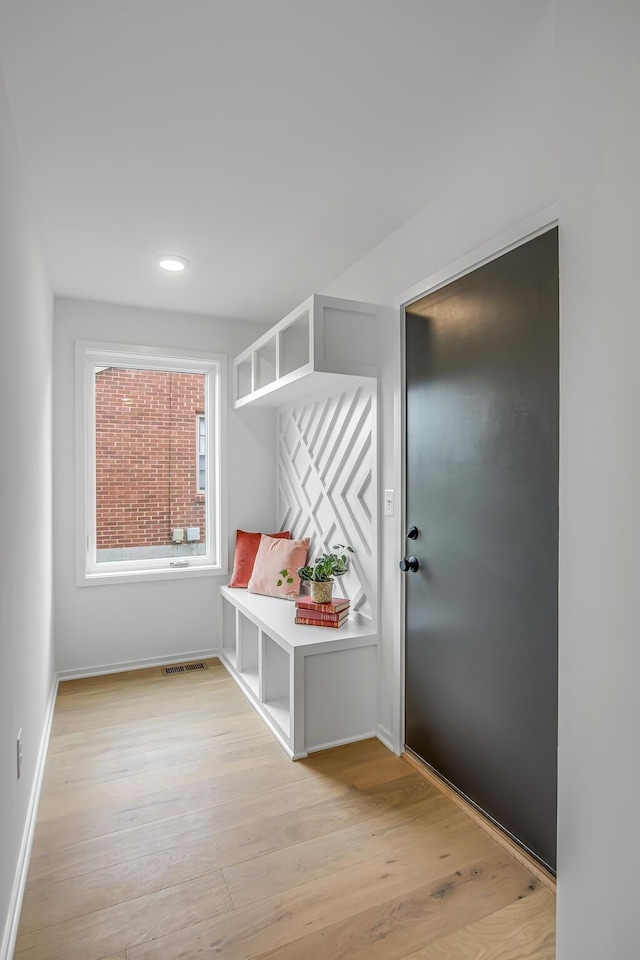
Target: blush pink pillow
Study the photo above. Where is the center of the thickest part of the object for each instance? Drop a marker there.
(272, 557)
(246, 548)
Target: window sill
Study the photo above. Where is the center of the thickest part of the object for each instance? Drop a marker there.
(145, 576)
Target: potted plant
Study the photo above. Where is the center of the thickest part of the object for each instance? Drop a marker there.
(322, 572)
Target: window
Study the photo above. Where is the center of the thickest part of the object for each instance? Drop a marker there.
(147, 509)
(201, 453)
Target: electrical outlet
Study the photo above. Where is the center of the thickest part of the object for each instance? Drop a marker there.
(19, 753)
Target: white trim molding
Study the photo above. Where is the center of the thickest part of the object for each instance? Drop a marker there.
(503, 243)
(20, 878)
(386, 737)
(535, 225)
(92, 357)
(104, 669)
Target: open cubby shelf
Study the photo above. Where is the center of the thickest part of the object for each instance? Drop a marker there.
(323, 339)
(314, 688)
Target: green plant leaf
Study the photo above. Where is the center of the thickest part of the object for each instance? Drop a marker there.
(325, 568)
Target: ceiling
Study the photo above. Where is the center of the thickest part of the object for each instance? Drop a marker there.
(270, 142)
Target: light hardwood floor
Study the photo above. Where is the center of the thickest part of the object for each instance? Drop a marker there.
(172, 826)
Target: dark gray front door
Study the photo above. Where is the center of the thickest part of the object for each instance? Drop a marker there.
(482, 489)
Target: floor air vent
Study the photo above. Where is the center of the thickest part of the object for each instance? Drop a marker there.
(183, 668)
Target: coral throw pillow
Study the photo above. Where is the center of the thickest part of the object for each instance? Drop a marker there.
(246, 548)
(272, 557)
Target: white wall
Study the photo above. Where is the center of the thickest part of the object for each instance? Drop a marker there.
(512, 176)
(109, 625)
(26, 307)
(599, 784)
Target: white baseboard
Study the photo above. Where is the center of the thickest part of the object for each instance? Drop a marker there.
(385, 736)
(17, 893)
(370, 735)
(136, 665)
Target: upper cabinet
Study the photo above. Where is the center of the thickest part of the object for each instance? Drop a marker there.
(322, 338)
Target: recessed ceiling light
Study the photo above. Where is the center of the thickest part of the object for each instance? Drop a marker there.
(172, 263)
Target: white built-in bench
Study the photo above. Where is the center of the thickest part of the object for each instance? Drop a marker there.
(314, 687)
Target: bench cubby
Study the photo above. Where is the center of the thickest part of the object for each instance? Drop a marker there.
(314, 687)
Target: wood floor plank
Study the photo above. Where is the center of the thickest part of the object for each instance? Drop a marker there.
(173, 826)
(46, 902)
(131, 788)
(92, 768)
(134, 739)
(230, 703)
(278, 920)
(133, 696)
(114, 696)
(525, 930)
(240, 830)
(116, 689)
(102, 768)
(95, 935)
(241, 817)
(55, 832)
(311, 859)
(50, 903)
(168, 723)
(388, 930)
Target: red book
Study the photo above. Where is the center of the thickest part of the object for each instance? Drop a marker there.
(310, 621)
(337, 605)
(318, 615)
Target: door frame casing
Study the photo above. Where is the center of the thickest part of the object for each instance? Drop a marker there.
(539, 223)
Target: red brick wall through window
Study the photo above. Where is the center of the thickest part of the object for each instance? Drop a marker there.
(146, 456)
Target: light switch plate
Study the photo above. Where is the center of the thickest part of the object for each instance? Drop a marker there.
(388, 503)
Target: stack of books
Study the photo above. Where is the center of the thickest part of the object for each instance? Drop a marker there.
(332, 614)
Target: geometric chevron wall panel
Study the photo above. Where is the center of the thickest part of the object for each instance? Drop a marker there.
(328, 484)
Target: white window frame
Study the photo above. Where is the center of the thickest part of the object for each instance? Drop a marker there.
(200, 490)
(90, 355)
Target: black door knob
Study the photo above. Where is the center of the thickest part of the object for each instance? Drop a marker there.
(412, 533)
(409, 563)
